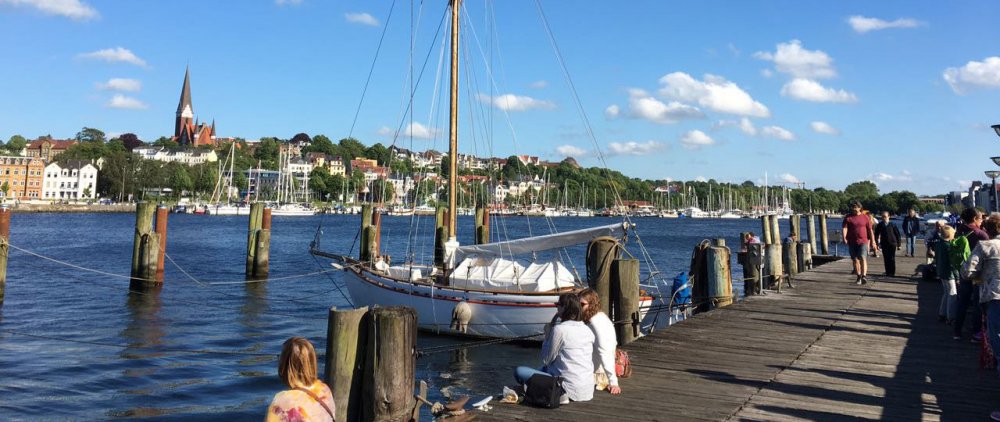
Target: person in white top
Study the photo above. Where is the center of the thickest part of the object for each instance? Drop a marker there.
(567, 352)
(605, 340)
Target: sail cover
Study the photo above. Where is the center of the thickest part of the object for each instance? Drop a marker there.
(509, 275)
(541, 243)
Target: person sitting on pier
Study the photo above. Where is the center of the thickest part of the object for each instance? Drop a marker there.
(792, 238)
(308, 398)
(858, 234)
(605, 343)
(567, 352)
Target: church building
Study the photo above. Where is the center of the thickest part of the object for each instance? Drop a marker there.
(187, 130)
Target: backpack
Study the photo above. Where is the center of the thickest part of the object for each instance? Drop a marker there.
(543, 391)
(958, 251)
(623, 367)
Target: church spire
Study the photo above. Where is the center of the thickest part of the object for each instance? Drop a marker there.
(184, 106)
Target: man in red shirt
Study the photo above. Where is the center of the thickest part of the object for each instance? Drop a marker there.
(857, 235)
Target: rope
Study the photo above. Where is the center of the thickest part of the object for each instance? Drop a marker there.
(124, 346)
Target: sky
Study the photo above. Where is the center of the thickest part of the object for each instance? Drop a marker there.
(901, 93)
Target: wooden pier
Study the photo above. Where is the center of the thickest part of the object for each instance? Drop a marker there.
(826, 350)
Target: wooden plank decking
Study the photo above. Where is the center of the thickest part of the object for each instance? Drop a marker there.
(826, 350)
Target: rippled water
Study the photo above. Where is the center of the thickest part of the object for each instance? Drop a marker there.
(130, 358)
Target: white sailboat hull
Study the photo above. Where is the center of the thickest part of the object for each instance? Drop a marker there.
(227, 210)
(494, 314)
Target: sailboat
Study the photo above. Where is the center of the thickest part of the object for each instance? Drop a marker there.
(504, 289)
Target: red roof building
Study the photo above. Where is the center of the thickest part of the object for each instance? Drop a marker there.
(187, 130)
(47, 149)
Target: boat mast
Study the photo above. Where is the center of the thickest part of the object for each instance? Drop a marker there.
(453, 124)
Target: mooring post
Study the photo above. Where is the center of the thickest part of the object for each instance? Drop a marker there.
(145, 247)
(775, 230)
(262, 247)
(253, 229)
(790, 260)
(751, 269)
(364, 255)
(720, 279)
(805, 256)
(824, 242)
(482, 225)
(346, 339)
(772, 266)
(161, 231)
(625, 298)
(390, 364)
(4, 247)
(601, 252)
(765, 229)
(795, 225)
(811, 226)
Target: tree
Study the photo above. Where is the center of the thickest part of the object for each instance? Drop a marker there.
(317, 180)
(862, 191)
(130, 141)
(166, 142)
(301, 138)
(5, 187)
(382, 191)
(87, 193)
(379, 153)
(321, 143)
(351, 148)
(179, 178)
(16, 144)
(267, 153)
(89, 134)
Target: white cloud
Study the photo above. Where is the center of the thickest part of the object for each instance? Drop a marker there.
(570, 151)
(824, 127)
(777, 132)
(713, 92)
(862, 24)
(767, 73)
(791, 58)
(539, 84)
(810, 90)
(746, 126)
(789, 178)
(126, 102)
(362, 18)
(121, 84)
(288, 2)
(984, 74)
(414, 129)
(643, 106)
(113, 55)
(73, 9)
(701, 179)
(696, 139)
(634, 148)
(903, 176)
(511, 102)
(612, 111)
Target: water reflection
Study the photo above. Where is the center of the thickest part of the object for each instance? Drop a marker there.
(145, 328)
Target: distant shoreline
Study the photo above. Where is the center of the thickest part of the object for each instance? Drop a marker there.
(72, 208)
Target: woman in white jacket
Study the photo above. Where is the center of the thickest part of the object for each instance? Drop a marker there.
(605, 340)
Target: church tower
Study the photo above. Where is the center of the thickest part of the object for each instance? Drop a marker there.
(185, 113)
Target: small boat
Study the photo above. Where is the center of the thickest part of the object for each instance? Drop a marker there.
(292, 210)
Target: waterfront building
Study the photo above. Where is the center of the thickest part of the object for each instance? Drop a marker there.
(47, 149)
(21, 177)
(187, 130)
(74, 180)
(262, 184)
(190, 156)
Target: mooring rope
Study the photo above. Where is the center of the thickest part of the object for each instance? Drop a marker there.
(472, 344)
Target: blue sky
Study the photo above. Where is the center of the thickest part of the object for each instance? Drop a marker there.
(898, 92)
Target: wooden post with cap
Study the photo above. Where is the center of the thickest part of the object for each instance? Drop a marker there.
(5, 212)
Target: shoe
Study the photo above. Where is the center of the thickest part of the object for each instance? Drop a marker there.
(995, 415)
(864, 280)
(858, 281)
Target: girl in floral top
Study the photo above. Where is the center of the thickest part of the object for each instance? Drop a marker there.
(308, 398)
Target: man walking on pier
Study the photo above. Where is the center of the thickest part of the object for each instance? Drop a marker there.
(911, 226)
(857, 234)
(887, 238)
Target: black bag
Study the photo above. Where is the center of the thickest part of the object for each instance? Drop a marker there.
(543, 391)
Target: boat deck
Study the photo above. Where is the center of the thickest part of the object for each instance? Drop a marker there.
(826, 350)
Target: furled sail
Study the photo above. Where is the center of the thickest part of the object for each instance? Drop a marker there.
(541, 243)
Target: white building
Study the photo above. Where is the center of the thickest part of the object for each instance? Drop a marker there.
(401, 188)
(75, 180)
(189, 157)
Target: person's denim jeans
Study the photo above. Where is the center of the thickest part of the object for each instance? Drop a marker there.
(993, 327)
(522, 373)
(911, 245)
(967, 295)
(949, 297)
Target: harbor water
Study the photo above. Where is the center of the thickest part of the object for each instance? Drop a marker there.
(75, 344)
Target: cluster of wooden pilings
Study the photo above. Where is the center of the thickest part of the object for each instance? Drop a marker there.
(776, 259)
(149, 246)
(616, 281)
(371, 363)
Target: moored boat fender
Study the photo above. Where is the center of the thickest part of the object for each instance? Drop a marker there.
(460, 317)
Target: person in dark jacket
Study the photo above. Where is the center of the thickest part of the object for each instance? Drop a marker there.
(911, 226)
(887, 236)
(967, 292)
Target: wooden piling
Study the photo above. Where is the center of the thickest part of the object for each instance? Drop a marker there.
(346, 339)
(482, 236)
(601, 252)
(804, 256)
(625, 297)
(795, 225)
(367, 238)
(751, 269)
(440, 236)
(5, 212)
(376, 237)
(253, 230)
(145, 247)
(790, 259)
(720, 279)
(824, 243)
(773, 271)
(811, 224)
(390, 364)
(765, 229)
(775, 230)
(262, 255)
(161, 231)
